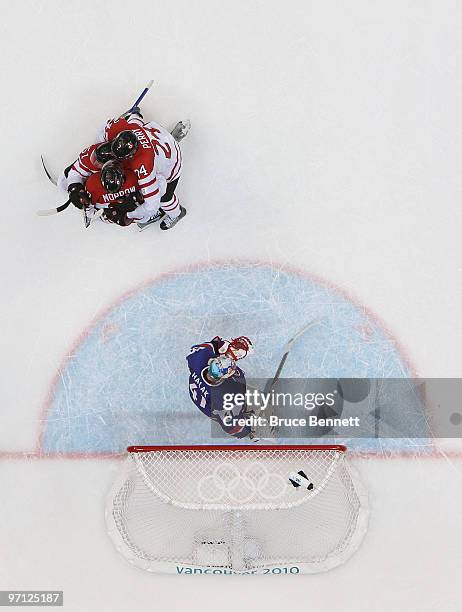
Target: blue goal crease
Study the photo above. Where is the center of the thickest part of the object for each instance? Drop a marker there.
(127, 382)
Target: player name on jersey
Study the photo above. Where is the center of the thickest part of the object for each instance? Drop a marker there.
(111, 197)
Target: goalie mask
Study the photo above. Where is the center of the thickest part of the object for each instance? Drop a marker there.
(238, 348)
(221, 367)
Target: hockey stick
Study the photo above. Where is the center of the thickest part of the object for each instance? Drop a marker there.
(48, 173)
(58, 209)
(270, 384)
(53, 211)
(142, 94)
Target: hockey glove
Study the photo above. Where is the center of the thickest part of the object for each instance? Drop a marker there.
(117, 216)
(117, 211)
(133, 113)
(78, 196)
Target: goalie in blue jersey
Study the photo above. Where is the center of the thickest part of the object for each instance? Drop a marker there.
(213, 374)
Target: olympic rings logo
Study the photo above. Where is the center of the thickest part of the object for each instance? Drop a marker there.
(254, 483)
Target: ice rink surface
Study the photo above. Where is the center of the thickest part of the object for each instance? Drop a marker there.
(325, 144)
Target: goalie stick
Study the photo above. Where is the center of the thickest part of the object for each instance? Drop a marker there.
(270, 384)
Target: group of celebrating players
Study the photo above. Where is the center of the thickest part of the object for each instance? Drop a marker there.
(131, 173)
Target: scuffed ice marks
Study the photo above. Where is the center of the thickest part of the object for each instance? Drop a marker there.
(126, 383)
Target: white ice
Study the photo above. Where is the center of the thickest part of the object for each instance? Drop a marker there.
(326, 135)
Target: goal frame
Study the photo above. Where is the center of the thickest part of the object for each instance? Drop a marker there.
(164, 565)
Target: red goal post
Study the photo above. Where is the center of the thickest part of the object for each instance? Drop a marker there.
(247, 447)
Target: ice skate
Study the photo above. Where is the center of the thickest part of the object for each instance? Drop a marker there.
(181, 129)
(168, 222)
(157, 217)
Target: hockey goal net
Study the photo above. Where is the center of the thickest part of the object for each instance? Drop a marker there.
(237, 509)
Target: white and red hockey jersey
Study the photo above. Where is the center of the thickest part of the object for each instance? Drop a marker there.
(156, 163)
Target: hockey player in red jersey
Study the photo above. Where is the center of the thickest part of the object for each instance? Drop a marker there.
(116, 191)
(112, 183)
(146, 149)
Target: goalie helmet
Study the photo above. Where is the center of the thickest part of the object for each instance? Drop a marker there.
(112, 177)
(221, 367)
(238, 348)
(103, 152)
(125, 145)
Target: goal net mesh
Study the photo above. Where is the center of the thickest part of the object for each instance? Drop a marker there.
(237, 510)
